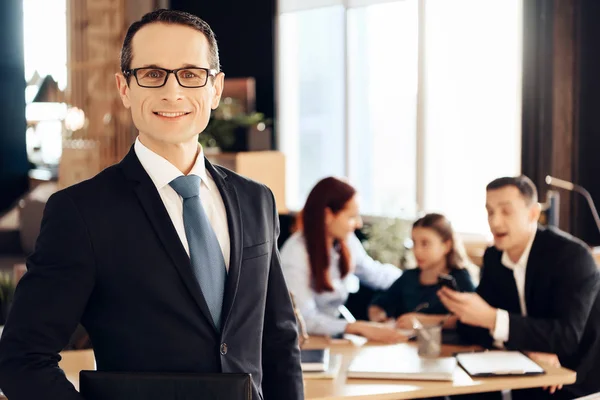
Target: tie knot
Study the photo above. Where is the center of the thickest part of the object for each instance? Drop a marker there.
(186, 186)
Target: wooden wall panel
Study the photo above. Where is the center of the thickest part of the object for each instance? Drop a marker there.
(550, 96)
(564, 87)
(587, 167)
(95, 31)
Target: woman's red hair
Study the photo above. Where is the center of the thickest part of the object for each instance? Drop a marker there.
(329, 193)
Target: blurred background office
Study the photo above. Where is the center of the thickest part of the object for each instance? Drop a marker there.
(419, 103)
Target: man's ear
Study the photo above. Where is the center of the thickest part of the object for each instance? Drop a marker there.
(123, 89)
(536, 210)
(217, 88)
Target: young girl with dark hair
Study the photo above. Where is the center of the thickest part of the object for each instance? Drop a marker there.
(413, 295)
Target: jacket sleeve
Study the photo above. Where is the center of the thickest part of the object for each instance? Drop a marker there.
(48, 304)
(282, 373)
(575, 289)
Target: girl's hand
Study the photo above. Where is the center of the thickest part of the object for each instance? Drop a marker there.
(405, 321)
(376, 332)
(377, 314)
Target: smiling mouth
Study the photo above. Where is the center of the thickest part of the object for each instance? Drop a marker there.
(171, 114)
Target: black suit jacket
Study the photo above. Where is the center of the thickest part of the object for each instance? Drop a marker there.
(109, 256)
(563, 308)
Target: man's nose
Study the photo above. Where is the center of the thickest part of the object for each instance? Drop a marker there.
(172, 91)
(493, 221)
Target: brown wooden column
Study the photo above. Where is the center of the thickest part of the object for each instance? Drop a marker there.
(95, 34)
(564, 102)
(550, 93)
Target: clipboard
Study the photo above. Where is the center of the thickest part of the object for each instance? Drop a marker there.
(498, 363)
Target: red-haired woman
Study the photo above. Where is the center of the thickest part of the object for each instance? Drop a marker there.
(324, 261)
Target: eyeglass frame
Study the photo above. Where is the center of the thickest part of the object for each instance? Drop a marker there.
(210, 73)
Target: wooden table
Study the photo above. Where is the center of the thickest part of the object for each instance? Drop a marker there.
(74, 361)
(365, 389)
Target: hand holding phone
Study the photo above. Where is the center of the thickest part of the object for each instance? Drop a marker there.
(448, 281)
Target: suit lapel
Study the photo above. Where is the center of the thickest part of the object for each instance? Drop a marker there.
(234, 223)
(163, 226)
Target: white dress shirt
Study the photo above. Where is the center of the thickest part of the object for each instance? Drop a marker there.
(320, 311)
(501, 331)
(162, 172)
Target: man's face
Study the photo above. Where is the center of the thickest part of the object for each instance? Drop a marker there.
(171, 114)
(510, 218)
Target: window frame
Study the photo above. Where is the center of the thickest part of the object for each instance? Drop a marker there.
(421, 115)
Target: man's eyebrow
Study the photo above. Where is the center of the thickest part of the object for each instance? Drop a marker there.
(186, 65)
(150, 66)
(501, 204)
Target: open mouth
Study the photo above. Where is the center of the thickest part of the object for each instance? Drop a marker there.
(171, 114)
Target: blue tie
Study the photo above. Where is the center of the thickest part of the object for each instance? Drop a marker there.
(205, 253)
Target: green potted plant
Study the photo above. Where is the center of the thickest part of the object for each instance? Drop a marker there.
(227, 123)
(7, 290)
(388, 240)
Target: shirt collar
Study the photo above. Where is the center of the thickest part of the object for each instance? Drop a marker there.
(161, 171)
(522, 263)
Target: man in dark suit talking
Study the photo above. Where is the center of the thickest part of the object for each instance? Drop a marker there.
(169, 262)
(538, 291)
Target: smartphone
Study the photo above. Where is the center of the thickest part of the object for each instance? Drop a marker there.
(448, 281)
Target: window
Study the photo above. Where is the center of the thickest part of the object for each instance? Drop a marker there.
(382, 84)
(417, 102)
(45, 37)
(45, 54)
(312, 107)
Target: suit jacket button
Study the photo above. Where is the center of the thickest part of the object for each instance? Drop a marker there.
(223, 349)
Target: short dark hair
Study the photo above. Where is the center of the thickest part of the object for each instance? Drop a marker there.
(170, 17)
(523, 183)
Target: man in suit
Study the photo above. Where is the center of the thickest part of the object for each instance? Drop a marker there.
(538, 290)
(169, 262)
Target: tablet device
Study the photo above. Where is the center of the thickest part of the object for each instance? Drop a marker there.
(314, 360)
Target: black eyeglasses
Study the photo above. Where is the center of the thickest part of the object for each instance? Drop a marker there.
(155, 77)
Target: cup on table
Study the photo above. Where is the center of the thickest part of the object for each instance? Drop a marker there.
(429, 340)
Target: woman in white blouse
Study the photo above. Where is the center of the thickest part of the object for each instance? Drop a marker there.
(324, 261)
